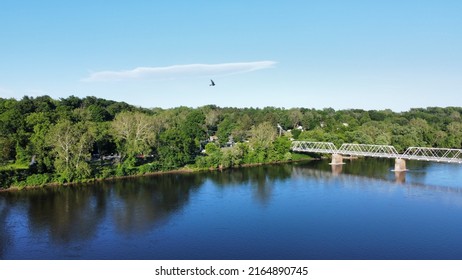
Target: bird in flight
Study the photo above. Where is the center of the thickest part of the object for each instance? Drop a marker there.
(212, 83)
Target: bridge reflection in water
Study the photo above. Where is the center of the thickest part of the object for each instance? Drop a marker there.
(361, 180)
(338, 168)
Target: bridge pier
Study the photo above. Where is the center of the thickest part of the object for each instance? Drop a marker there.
(400, 165)
(336, 159)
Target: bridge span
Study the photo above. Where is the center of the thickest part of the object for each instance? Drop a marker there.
(380, 151)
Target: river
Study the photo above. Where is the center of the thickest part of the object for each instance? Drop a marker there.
(305, 210)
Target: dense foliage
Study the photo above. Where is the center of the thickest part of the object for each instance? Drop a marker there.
(76, 139)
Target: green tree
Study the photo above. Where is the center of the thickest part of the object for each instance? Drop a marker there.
(214, 155)
(314, 135)
(194, 127)
(174, 148)
(6, 149)
(225, 128)
(38, 145)
(295, 116)
(262, 135)
(135, 134)
(71, 145)
(103, 138)
(454, 139)
(212, 117)
(280, 149)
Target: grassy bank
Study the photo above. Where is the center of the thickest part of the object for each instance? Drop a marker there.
(46, 180)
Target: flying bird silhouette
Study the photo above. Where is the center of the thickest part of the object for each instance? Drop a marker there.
(212, 83)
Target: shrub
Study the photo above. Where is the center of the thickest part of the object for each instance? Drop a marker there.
(37, 179)
(148, 168)
(106, 172)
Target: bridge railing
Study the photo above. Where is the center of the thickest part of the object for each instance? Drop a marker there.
(433, 154)
(382, 151)
(314, 147)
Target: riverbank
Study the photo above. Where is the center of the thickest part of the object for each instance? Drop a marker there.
(186, 169)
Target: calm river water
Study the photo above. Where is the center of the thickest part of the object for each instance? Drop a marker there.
(292, 211)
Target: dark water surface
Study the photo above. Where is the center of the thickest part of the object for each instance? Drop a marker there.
(292, 211)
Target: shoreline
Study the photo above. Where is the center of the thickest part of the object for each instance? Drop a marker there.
(182, 170)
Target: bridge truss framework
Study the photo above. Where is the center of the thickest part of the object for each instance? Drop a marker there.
(380, 151)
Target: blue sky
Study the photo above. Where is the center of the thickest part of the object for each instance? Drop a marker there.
(315, 54)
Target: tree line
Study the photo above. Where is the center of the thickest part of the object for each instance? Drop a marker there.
(76, 139)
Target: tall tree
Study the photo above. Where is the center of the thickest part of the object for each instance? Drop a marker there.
(262, 135)
(134, 133)
(175, 148)
(38, 146)
(72, 144)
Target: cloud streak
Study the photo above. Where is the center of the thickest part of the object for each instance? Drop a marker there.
(179, 71)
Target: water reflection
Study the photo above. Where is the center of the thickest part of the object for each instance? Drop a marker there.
(260, 178)
(75, 213)
(5, 238)
(379, 174)
(143, 203)
(337, 169)
(400, 177)
(63, 214)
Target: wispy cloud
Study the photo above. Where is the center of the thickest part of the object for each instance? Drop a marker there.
(179, 71)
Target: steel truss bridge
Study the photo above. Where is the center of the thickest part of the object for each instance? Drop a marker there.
(380, 151)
